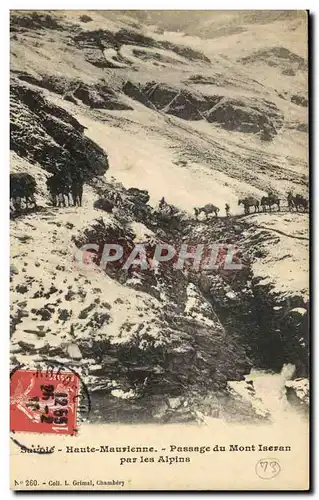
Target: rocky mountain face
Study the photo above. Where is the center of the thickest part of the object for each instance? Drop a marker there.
(56, 140)
(144, 112)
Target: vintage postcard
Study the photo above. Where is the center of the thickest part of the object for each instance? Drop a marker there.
(159, 228)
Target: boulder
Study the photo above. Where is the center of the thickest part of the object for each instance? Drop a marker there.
(104, 204)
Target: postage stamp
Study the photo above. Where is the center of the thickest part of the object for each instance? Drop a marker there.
(44, 402)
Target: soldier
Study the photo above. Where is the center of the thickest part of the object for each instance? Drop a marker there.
(60, 200)
(162, 203)
(117, 199)
(227, 210)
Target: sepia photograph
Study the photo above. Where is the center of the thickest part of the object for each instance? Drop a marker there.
(159, 250)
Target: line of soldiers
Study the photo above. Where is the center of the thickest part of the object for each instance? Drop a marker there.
(64, 185)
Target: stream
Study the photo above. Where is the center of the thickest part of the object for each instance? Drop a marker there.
(260, 397)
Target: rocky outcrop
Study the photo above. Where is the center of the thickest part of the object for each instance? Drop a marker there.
(139, 195)
(277, 56)
(297, 392)
(96, 57)
(186, 52)
(224, 79)
(246, 115)
(201, 102)
(180, 106)
(160, 94)
(98, 95)
(186, 101)
(45, 133)
(96, 39)
(126, 36)
(300, 100)
(92, 45)
(56, 84)
(182, 102)
(102, 231)
(20, 21)
(136, 93)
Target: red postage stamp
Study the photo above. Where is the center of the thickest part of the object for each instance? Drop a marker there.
(42, 402)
